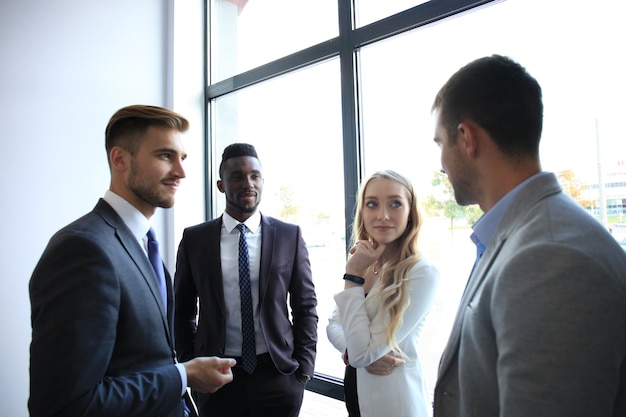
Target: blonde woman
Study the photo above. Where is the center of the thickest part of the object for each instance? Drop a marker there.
(389, 290)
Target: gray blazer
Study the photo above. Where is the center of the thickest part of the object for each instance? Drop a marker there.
(102, 344)
(541, 327)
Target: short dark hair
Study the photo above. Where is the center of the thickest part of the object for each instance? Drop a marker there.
(237, 149)
(129, 124)
(498, 94)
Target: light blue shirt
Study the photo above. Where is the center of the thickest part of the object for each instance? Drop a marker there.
(139, 226)
(486, 226)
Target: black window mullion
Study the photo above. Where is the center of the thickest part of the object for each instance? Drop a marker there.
(349, 109)
(346, 46)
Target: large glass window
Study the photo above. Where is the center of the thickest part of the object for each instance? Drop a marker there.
(295, 124)
(365, 106)
(246, 34)
(581, 87)
(294, 121)
(368, 11)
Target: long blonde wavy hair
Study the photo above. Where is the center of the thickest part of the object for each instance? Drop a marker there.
(400, 256)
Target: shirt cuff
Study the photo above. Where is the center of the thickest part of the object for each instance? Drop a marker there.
(183, 377)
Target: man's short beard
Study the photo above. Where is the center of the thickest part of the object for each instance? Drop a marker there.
(243, 209)
(148, 194)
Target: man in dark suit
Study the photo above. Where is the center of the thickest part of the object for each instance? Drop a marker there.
(102, 329)
(207, 269)
(541, 328)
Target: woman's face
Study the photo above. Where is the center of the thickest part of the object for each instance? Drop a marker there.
(386, 209)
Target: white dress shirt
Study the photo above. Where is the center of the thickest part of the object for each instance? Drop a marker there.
(139, 226)
(229, 249)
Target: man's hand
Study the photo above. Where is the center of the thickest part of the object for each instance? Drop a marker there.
(384, 365)
(208, 374)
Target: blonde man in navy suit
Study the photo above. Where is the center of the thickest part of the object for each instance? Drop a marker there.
(541, 327)
(207, 275)
(103, 339)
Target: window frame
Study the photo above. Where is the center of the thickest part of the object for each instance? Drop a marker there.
(346, 46)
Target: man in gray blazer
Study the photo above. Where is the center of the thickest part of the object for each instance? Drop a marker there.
(541, 327)
(208, 277)
(102, 322)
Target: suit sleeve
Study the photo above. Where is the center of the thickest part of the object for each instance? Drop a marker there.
(365, 338)
(75, 298)
(303, 304)
(186, 309)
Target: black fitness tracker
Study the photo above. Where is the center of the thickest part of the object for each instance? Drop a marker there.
(354, 278)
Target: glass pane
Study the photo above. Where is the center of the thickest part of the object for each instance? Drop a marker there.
(318, 405)
(368, 11)
(581, 73)
(246, 34)
(295, 123)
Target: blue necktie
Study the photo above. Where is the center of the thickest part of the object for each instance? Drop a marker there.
(157, 264)
(248, 347)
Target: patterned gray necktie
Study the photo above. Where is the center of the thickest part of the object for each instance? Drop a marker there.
(248, 348)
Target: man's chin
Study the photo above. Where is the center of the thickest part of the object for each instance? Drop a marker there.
(248, 209)
(166, 204)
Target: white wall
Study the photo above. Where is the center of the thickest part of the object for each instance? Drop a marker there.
(66, 67)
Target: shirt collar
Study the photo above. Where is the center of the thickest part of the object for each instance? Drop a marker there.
(252, 223)
(485, 227)
(133, 218)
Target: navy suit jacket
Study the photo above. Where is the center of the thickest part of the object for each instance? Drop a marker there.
(102, 343)
(285, 272)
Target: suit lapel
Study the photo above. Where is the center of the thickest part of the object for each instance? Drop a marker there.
(536, 190)
(141, 260)
(267, 249)
(139, 257)
(210, 247)
(475, 280)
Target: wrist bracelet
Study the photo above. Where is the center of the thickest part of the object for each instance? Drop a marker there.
(354, 279)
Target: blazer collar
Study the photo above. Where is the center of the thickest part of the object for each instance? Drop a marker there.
(136, 222)
(136, 252)
(252, 223)
(514, 216)
(536, 189)
(268, 241)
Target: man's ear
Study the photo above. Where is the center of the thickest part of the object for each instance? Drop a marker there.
(220, 186)
(467, 136)
(120, 159)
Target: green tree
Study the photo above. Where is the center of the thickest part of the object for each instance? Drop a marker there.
(444, 204)
(573, 187)
(289, 211)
